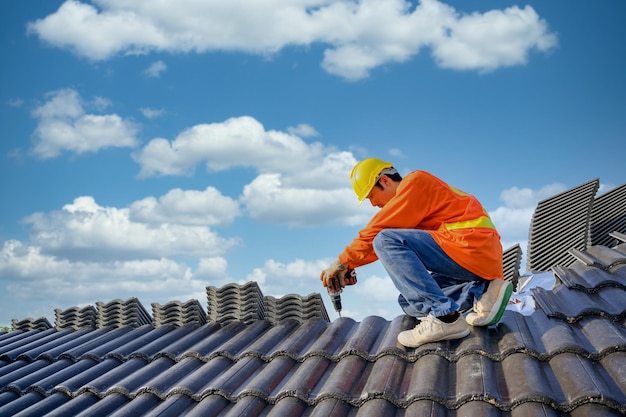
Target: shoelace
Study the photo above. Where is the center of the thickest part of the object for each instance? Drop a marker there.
(424, 323)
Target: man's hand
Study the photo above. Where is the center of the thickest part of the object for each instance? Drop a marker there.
(335, 270)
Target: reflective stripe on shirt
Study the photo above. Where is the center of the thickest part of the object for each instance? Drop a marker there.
(483, 221)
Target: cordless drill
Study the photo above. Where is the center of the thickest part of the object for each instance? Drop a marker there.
(335, 290)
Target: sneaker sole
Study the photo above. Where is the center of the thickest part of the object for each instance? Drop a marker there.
(508, 290)
(504, 295)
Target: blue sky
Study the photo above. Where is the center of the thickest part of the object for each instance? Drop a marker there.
(152, 150)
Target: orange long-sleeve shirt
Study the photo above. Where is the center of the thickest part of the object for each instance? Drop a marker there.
(423, 201)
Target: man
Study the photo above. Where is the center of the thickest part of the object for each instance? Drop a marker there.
(438, 245)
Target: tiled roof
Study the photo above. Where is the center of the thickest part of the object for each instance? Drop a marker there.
(567, 358)
(255, 355)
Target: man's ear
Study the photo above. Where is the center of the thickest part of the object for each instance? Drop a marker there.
(384, 181)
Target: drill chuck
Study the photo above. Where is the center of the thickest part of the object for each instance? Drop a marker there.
(336, 299)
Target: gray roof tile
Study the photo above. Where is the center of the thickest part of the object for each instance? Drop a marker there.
(100, 344)
(106, 406)
(601, 257)
(593, 285)
(572, 306)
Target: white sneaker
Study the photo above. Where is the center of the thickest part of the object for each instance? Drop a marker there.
(490, 306)
(431, 329)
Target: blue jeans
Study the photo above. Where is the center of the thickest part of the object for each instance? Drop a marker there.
(429, 281)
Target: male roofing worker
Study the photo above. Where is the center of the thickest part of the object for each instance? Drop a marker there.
(438, 245)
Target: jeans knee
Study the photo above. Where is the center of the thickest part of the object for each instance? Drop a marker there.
(378, 242)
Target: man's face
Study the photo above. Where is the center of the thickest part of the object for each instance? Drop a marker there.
(379, 197)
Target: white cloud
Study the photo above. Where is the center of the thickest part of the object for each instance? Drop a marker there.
(267, 199)
(28, 263)
(237, 142)
(101, 103)
(380, 293)
(16, 102)
(515, 197)
(396, 153)
(63, 125)
(54, 283)
(299, 184)
(86, 250)
(512, 223)
(303, 130)
(605, 188)
(359, 35)
(85, 230)
(214, 269)
(155, 69)
(498, 38)
(149, 113)
(186, 207)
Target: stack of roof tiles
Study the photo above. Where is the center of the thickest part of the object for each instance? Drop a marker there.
(25, 325)
(568, 358)
(232, 302)
(561, 221)
(293, 306)
(608, 214)
(235, 302)
(178, 314)
(511, 261)
(76, 318)
(118, 313)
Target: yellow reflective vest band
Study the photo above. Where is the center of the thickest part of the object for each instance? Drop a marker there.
(483, 221)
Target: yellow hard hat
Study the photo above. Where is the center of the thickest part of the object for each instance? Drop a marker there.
(365, 174)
